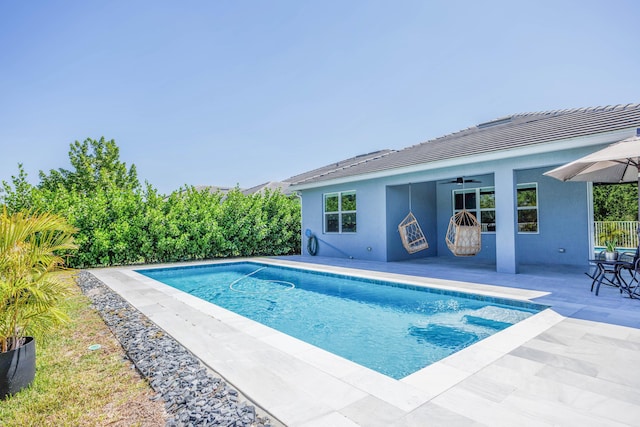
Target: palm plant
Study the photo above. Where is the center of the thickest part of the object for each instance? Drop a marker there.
(30, 292)
(610, 245)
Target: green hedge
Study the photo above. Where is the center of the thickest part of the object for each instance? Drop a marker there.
(121, 222)
(121, 227)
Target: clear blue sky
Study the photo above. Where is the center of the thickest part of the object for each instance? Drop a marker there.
(243, 92)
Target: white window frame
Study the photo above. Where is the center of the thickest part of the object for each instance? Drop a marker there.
(536, 207)
(340, 212)
(477, 209)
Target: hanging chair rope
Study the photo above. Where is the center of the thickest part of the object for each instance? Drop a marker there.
(413, 238)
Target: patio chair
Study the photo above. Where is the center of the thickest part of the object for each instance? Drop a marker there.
(413, 239)
(593, 268)
(603, 273)
(633, 268)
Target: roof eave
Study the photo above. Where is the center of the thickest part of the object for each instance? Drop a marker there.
(559, 145)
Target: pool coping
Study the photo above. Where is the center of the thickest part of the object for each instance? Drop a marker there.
(298, 383)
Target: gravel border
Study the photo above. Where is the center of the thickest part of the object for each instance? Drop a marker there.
(193, 396)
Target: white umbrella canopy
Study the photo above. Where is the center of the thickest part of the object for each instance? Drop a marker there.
(617, 163)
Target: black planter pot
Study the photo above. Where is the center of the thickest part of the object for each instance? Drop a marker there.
(17, 368)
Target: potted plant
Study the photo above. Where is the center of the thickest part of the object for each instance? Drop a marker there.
(30, 290)
(610, 253)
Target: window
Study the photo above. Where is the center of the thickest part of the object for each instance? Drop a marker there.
(488, 209)
(527, 208)
(483, 200)
(474, 200)
(340, 212)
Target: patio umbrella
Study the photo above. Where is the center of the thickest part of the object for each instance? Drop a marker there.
(617, 163)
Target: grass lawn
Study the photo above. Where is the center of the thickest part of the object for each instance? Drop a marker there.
(75, 386)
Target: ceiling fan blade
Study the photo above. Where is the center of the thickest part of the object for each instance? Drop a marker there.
(460, 180)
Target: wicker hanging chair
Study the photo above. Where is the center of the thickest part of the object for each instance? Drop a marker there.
(413, 238)
(464, 234)
(411, 234)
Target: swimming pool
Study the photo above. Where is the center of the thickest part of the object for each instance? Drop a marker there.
(393, 328)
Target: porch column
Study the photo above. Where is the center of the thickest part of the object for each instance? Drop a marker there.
(506, 221)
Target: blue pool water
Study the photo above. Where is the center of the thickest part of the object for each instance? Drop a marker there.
(392, 328)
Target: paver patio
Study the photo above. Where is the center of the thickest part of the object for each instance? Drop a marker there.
(576, 364)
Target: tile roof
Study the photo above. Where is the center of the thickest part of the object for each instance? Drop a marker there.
(515, 131)
(341, 166)
(210, 188)
(261, 188)
(271, 186)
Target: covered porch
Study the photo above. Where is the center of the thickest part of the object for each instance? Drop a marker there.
(524, 216)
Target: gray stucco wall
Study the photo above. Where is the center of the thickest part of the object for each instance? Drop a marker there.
(381, 205)
(562, 220)
(368, 242)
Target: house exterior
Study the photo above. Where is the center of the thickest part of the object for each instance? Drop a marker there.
(282, 187)
(494, 170)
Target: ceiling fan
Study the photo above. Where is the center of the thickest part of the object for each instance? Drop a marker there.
(460, 180)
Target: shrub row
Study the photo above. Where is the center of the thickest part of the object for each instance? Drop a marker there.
(121, 222)
(120, 227)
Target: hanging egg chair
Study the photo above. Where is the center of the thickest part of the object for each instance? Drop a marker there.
(411, 234)
(413, 238)
(464, 234)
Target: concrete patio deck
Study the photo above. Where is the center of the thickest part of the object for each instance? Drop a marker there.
(574, 364)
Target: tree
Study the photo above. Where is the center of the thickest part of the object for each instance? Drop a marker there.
(618, 202)
(21, 195)
(97, 164)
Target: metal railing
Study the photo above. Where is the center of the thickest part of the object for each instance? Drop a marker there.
(625, 233)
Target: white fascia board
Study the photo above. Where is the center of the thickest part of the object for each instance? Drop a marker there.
(547, 147)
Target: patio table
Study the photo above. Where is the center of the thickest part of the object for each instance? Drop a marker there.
(609, 271)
